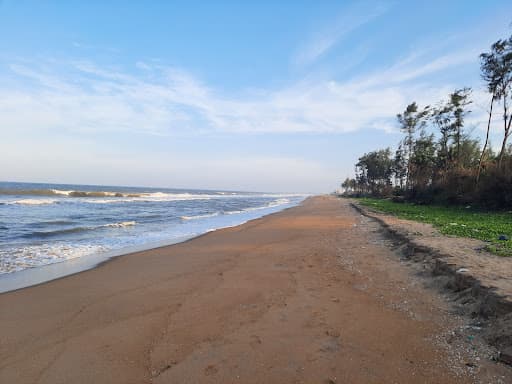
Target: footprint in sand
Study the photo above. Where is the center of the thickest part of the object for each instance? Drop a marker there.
(255, 341)
(210, 370)
(332, 342)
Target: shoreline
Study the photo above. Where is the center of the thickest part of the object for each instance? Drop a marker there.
(35, 276)
(308, 294)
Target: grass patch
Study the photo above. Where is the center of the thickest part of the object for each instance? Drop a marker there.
(456, 221)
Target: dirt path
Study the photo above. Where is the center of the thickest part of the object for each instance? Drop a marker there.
(312, 294)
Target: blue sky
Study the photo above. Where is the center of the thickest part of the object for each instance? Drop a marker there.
(269, 96)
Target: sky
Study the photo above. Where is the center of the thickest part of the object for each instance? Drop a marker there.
(276, 96)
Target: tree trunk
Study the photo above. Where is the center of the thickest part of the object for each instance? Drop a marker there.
(458, 145)
(410, 149)
(506, 128)
(486, 142)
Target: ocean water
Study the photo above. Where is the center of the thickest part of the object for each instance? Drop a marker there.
(42, 224)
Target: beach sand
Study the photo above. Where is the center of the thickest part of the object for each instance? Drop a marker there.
(311, 294)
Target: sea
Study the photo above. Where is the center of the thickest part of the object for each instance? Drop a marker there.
(52, 230)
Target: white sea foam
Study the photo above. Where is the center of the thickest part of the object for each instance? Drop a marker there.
(109, 201)
(151, 197)
(122, 224)
(160, 196)
(61, 192)
(272, 204)
(13, 260)
(33, 201)
(200, 216)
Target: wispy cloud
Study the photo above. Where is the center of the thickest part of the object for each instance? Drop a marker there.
(82, 96)
(349, 20)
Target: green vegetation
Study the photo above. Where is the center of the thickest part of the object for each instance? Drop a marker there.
(438, 173)
(438, 161)
(455, 220)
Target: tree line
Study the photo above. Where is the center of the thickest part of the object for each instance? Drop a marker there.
(438, 160)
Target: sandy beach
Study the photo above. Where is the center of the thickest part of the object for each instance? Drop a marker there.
(312, 294)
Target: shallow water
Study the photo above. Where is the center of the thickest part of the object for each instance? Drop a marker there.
(42, 224)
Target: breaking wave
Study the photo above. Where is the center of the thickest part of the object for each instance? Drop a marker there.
(32, 201)
(111, 194)
(120, 225)
(67, 231)
(200, 216)
(272, 204)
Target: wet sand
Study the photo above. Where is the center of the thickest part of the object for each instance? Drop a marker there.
(308, 295)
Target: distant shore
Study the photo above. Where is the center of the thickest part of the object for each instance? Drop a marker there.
(309, 294)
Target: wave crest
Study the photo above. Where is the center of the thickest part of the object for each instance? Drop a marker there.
(32, 202)
(200, 216)
(67, 231)
(109, 196)
(122, 224)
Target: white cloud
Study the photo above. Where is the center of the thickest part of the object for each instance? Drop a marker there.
(348, 21)
(83, 97)
(418, 64)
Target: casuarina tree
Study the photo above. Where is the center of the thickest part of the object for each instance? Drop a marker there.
(496, 70)
(411, 120)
